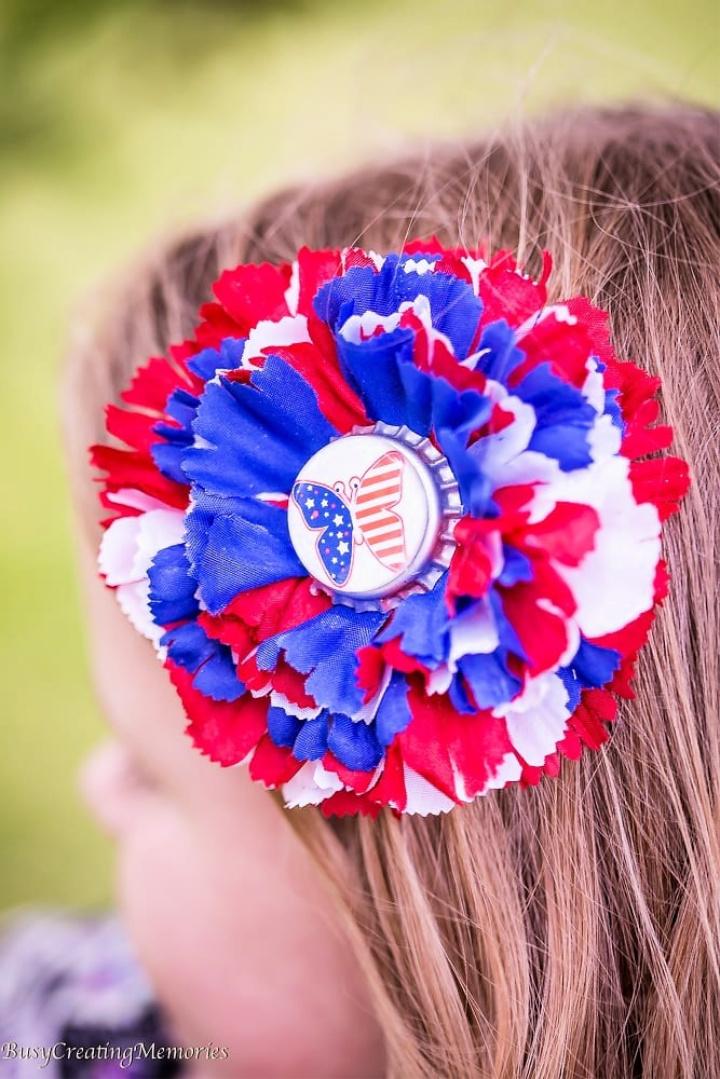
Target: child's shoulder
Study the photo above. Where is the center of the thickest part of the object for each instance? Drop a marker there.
(70, 986)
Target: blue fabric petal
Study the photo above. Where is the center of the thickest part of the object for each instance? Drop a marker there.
(217, 677)
(594, 665)
(459, 698)
(420, 390)
(509, 640)
(393, 714)
(422, 624)
(188, 645)
(564, 418)
(572, 685)
(168, 459)
(181, 406)
(209, 361)
(205, 508)
(489, 679)
(312, 741)
(176, 437)
(612, 408)
(373, 370)
(258, 435)
(282, 727)
(239, 553)
(456, 416)
(516, 567)
(325, 647)
(498, 353)
(354, 744)
(455, 309)
(172, 588)
(210, 661)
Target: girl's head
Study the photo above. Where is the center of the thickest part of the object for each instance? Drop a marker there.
(567, 929)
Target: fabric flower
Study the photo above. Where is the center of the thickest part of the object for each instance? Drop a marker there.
(392, 523)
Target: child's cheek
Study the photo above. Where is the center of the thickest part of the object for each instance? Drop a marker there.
(175, 924)
(241, 947)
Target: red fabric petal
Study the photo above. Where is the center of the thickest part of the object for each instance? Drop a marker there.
(255, 680)
(390, 787)
(589, 721)
(231, 631)
(315, 269)
(253, 293)
(508, 295)
(130, 468)
(226, 732)
(423, 742)
(394, 657)
(571, 746)
(369, 672)
(216, 325)
(273, 765)
(135, 429)
(153, 383)
(278, 606)
(357, 781)
(566, 348)
(542, 634)
(338, 403)
(567, 534)
(664, 481)
(470, 568)
(286, 680)
(349, 804)
(478, 744)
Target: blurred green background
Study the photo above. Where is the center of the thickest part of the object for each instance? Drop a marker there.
(121, 119)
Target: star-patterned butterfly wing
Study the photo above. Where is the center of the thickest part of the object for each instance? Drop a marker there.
(380, 489)
(322, 508)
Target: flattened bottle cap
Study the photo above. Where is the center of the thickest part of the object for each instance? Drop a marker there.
(364, 515)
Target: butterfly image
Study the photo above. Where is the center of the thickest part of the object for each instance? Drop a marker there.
(364, 513)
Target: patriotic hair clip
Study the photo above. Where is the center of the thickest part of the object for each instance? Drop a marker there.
(392, 523)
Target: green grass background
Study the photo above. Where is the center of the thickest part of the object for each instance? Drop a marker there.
(120, 120)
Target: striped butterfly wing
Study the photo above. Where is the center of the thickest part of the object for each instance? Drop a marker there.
(380, 489)
(324, 511)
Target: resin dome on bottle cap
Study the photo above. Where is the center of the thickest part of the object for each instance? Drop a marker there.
(364, 515)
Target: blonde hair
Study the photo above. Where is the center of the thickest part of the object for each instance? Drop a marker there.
(572, 929)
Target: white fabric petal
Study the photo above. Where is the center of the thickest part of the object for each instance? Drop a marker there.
(292, 292)
(509, 771)
(474, 267)
(367, 713)
(560, 312)
(127, 550)
(290, 330)
(279, 700)
(537, 719)
(133, 599)
(137, 500)
(118, 548)
(311, 785)
(615, 582)
(605, 439)
(472, 633)
(496, 452)
(419, 266)
(439, 680)
(422, 797)
(593, 389)
(157, 529)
